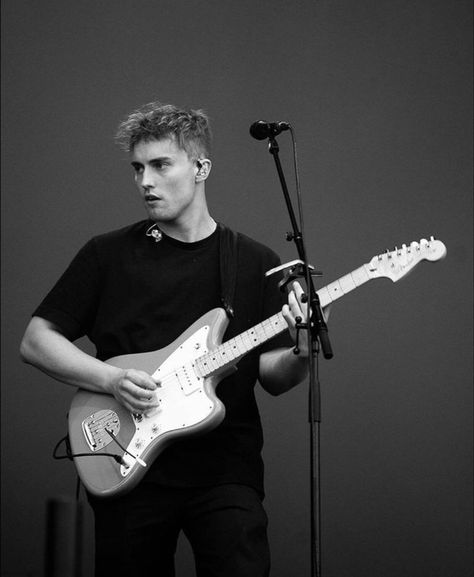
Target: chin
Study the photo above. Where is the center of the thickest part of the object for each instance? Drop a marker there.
(154, 214)
(159, 216)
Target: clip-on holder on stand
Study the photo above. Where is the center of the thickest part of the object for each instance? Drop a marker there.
(294, 270)
(317, 334)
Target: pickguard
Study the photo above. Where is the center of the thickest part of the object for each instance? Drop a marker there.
(182, 399)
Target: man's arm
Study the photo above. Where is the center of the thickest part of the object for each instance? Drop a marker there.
(45, 347)
(280, 370)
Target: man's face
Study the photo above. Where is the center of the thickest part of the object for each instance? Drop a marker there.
(166, 179)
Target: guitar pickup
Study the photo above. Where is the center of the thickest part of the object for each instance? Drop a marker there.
(189, 382)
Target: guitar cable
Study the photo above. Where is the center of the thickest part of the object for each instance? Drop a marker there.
(137, 459)
(69, 455)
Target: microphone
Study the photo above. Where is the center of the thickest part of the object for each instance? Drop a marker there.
(263, 129)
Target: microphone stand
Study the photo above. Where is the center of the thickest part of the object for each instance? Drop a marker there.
(317, 334)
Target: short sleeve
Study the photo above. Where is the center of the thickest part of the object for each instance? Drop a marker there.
(72, 302)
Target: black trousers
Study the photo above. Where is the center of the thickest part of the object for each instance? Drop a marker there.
(225, 525)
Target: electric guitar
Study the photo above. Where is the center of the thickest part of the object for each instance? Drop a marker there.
(112, 448)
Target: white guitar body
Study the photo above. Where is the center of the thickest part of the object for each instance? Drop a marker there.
(187, 404)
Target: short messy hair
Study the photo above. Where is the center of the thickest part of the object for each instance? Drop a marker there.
(155, 121)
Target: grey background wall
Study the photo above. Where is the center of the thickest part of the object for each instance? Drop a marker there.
(379, 94)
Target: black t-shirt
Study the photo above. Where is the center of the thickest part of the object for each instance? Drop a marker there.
(130, 294)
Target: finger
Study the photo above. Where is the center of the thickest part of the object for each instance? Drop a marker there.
(140, 405)
(144, 397)
(138, 397)
(302, 298)
(298, 289)
(290, 319)
(142, 379)
(296, 307)
(285, 311)
(132, 403)
(301, 295)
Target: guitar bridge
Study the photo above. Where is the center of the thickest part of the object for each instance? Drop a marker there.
(95, 428)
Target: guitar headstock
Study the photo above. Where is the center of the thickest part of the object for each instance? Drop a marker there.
(397, 263)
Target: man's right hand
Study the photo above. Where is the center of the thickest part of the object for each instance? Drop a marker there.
(135, 390)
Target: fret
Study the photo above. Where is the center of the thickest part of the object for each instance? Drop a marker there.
(274, 326)
(268, 331)
(347, 283)
(207, 364)
(238, 342)
(360, 275)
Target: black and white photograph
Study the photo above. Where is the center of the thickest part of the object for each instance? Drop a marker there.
(237, 288)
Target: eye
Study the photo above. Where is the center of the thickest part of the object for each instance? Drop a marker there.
(138, 168)
(159, 164)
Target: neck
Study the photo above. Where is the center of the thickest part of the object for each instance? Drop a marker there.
(190, 230)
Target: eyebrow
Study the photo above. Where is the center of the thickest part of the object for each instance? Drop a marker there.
(152, 160)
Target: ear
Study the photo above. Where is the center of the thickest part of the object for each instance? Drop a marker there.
(204, 166)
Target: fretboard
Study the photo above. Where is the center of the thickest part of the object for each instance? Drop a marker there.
(232, 350)
(344, 285)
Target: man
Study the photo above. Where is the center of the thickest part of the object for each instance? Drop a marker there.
(137, 289)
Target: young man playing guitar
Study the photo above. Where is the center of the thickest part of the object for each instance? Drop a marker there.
(138, 289)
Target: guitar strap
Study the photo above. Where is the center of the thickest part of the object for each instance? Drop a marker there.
(228, 258)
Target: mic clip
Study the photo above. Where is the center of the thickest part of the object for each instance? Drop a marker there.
(154, 232)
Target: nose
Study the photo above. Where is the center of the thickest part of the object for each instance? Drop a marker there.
(145, 179)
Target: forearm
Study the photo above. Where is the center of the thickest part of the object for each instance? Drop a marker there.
(281, 370)
(48, 350)
(44, 347)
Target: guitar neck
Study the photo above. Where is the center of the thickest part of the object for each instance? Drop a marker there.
(232, 350)
(344, 285)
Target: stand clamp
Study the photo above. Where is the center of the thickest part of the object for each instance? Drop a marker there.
(299, 325)
(294, 269)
